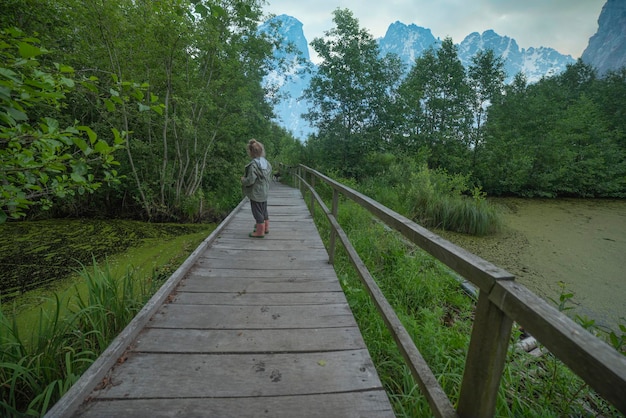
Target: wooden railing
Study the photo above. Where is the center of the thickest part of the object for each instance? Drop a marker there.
(500, 302)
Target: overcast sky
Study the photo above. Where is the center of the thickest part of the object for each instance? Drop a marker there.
(565, 25)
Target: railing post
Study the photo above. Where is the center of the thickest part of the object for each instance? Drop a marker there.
(312, 196)
(485, 360)
(333, 233)
(299, 181)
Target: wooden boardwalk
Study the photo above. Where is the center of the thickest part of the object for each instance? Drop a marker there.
(256, 328)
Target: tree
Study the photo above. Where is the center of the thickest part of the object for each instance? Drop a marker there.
(486, 80)
(590, 161)
(206, 61)
(351, 93)
(436, 99)
(40, 159)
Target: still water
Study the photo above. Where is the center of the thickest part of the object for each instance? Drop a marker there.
(578, 242)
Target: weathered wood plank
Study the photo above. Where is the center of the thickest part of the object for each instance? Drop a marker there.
(274, 244)
(254, 328)
(370, 404)
(284, 258)
(255, 299)
(284, 284)
(294, 223)
(159, 340)
(268, 262)
(203, 270)
(179, 316)
(170, 375)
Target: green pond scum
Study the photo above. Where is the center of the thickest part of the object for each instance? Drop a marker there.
(40, 254)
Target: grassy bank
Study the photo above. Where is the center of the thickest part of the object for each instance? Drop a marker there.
(438, 315)
(151, 259)
(49, 336)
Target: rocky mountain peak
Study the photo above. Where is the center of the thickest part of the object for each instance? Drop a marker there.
(407, 42)
(607, 48)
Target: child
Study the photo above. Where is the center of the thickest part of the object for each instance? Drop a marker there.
(256, 184)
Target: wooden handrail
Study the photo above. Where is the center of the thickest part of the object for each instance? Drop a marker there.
(437, 399)
(500, 302)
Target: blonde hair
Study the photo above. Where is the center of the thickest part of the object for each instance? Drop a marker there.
(255, 149)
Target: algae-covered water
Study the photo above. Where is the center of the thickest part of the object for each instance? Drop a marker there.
(578, 242)
(40, 257)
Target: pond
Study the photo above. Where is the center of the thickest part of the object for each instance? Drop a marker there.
(578, 242)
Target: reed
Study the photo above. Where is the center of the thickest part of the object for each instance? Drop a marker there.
(36, 370)
(438, 315)
(434, 199)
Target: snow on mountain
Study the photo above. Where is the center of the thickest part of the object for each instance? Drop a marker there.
(406, 41)
(289, 76)
(535, 63)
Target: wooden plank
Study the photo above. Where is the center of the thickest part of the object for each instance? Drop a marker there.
(170, 375)
(370, 404)
(268, 263)
(293, 222)
(288, 282)
(253, 256)
(159, 340)
(203, 270)
(271, 244)
(254, 328)
(277, 232)
(252, 317)
(255, 299)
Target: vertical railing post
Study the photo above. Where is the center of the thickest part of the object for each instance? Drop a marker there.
(299, 184)
(312, 196)
(485, 360)
(333, 233)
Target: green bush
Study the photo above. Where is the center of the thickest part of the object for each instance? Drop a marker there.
(433, 198)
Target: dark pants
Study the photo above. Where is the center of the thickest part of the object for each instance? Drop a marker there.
(259, 211)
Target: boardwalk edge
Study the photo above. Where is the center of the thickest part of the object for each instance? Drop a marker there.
(73, 398)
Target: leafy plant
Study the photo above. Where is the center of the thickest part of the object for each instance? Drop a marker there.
(41, 159)
(35, 372)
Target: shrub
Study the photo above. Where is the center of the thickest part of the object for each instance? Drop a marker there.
(433, 198)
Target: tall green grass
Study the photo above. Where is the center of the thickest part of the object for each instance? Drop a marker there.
(432, 198)
(438, 315)
(38, 365)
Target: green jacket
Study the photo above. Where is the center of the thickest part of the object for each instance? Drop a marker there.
(256, 181)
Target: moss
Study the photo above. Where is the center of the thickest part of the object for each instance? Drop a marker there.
(36, 254)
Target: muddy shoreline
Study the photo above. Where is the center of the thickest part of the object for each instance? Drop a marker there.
(580, 242)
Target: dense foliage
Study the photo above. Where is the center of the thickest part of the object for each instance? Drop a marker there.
(563, 136)
(166, 92)
(39, 158)
(142, 109)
